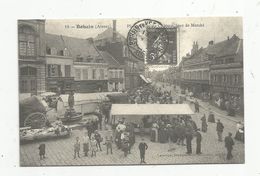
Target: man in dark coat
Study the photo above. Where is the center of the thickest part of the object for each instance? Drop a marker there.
(229, 145)
(188, 141)
(142, 147)
(198, 142)
(197, 106)
(98, 139)
(42, 151)
(219, 129)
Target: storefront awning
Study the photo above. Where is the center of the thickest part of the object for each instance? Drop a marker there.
(151, 109)
(144, 79)
(149, 80)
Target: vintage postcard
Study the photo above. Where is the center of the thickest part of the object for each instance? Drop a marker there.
(131, 91)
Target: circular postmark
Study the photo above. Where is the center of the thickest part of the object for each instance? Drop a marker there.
(147, 40)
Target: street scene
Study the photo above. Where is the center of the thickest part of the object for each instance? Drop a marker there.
(131, 92)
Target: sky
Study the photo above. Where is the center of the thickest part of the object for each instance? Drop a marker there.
(210, 28)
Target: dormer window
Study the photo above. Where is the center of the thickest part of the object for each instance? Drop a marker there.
(61, 53)
(53, 51)
(65, 52)
(89, 59)
(48, 50)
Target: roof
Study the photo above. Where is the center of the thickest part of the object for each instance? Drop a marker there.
(81, 47)
(54, 41)
(108, 34)
(151, 109)
(226, 47)
(112, 62)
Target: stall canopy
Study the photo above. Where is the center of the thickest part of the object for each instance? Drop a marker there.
(144, 79)
(82, 98)
(151, 109)
(149, 80)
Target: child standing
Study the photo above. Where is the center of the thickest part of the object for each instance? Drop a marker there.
(76, 147)
(42, 151)
(108, 144)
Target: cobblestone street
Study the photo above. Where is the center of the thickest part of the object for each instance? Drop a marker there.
(60, 151)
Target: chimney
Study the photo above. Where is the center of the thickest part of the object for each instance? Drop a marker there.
(90, 40)
(114, 30)
(211, 42)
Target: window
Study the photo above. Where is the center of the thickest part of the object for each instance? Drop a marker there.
(67, 70)
(48, 50)
(229, 60)
(85, 74)
(23, 86)
(125, 51)
(77, 74)
(121, 74)
(26, 39)
(54, 51)
(237, 79)
(65, 52)
(116, 74)
(28, 71)
(94, 76)
(54, 70)
(224, 78)
(33, 85)
(102, 75)
(219, 61)
(110, 74)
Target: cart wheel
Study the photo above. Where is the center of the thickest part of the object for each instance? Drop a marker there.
(35, 120)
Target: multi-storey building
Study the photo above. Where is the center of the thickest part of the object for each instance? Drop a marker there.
(59, 65)
(115, 44)
(195, 71)
(116, 73)
(31, 54)
(90, 68)
(226, 71)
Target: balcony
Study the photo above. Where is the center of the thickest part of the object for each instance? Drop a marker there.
(225, 65)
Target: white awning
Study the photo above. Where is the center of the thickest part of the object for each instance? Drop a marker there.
(82, 98)
(151, 109)
(149, 80)
(143, 78)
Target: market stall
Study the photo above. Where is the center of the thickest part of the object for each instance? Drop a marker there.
(135, 113)
(153, 119)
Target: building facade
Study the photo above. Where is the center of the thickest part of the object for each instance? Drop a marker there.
(31, 56)
(59, 65)
(89, 67)
(195, 72)
(226, 72)
(116, 73)
(115, 44)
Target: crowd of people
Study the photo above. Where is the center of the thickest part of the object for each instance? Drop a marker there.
(164, 129)
(151, 95)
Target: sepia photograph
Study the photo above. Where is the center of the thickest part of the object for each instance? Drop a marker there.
(131, 91)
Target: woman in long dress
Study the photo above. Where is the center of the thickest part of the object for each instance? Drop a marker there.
(60, 108)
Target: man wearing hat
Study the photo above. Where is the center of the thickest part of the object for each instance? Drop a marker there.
(219, 129)
(98, 139)
(229, 145)
(142, 147)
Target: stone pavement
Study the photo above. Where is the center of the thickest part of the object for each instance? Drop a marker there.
(59, 152)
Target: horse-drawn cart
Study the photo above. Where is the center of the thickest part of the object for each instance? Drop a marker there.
(34, 123)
